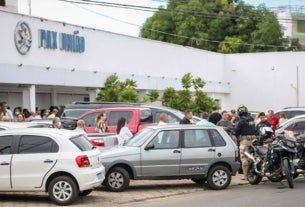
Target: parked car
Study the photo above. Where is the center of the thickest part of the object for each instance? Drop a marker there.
(60, 162)
(173, 152)
(103, 141)
(67, 123)
(18, 125)
(295, 124)
(291, 111)
(137, 118)
(76, 109)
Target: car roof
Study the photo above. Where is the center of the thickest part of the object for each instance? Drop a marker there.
(42, 131)
(118, 108)
(291, 109)
(181, 126)
(18, 125)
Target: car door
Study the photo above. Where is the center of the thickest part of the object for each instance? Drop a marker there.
(5, 161)
(198, 152)
(90, 120)
(36, 156)
(163, 157)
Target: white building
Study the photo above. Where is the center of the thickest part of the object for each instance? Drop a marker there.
(49, 74)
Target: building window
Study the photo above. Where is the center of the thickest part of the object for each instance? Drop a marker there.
(2, 2)
(301, 26)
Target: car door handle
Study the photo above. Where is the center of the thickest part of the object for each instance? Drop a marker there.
(212, 150)
(176, 151)
(48, 161)
(4, 163)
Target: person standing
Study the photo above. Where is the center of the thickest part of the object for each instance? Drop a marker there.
(163, 119)
(204, 121)
(273, 120)
(101, 123)
(262, 122)
(20, 118)
(53, 114)
(245, 132)
(188, 115)
(81, 127)
(56, 123)
(225, 123)
(283, 118)
(123, 132)
(215, 117)
(7, 114)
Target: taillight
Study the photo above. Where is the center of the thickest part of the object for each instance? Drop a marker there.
(82, 161)
(237, 158)
(98, 142)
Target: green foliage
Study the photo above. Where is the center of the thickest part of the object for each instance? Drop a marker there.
(117, 91)
(152, 96)
(186, 99)
(231, 24)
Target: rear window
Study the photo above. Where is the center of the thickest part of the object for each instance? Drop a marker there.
(146, 116)
(114, 117)
(74, 113)
(82, 143)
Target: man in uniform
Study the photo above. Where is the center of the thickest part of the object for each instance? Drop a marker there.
(245, 132)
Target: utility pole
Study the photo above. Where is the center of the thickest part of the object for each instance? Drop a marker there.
(30, 7)
(298, 88)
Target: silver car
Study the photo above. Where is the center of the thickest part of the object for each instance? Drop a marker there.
(203, 154)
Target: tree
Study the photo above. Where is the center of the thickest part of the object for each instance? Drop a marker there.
(115, 90)
(227, 26)
(153, 95)
(197, 100)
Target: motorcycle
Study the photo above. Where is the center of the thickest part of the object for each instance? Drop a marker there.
(299, 162)
(272, 158)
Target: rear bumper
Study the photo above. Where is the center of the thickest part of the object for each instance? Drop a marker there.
(91, 178)
(235, 167)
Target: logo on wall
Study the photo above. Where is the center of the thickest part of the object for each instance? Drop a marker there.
(23, 37)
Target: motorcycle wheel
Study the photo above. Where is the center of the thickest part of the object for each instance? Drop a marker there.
(288, 173)
(253, 177)
(275, 179)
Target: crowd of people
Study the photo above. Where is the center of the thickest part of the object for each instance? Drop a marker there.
(20, 114)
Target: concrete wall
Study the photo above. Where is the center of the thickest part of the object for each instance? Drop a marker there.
(265, 80)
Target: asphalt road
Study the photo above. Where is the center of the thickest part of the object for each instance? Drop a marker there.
(263, 195)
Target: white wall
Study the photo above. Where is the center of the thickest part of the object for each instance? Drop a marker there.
(263, 80)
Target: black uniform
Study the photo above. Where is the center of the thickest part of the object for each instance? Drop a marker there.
(245, 126)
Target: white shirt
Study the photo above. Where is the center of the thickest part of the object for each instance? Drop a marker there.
(81, 131)
(161, 123)
(124, 135)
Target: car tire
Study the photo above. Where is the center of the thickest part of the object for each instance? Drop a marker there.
(199, 181)
(63, 190)
(219, 177)
(85, 192)
(117, 180)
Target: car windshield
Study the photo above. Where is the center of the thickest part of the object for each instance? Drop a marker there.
(74, 113)
(140, 137)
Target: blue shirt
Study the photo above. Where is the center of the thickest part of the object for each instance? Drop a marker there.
(205, 122)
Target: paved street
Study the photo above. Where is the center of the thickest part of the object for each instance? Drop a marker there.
(178, 193)
(139, 191)
(263, 195)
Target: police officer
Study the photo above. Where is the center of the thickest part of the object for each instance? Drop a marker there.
(245, 132)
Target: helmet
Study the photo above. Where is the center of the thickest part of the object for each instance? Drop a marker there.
(241, 110)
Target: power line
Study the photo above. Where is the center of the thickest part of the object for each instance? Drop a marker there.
(176, 35)
(154, 9)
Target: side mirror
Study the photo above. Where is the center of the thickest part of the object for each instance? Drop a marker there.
(149, 146)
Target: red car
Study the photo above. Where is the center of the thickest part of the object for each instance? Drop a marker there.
(137, 118)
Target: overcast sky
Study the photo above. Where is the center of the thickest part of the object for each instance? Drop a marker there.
(111, 19)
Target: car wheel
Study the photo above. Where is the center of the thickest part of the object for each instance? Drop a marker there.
(219, 177)
(199, 181)
(63, 190)
(117, 179)
(85, 192)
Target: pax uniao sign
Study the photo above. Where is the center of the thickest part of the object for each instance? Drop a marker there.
(65, 42)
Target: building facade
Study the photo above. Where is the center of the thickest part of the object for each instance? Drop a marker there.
(45, 63)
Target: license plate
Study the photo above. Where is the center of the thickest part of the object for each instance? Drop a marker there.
(99, 175)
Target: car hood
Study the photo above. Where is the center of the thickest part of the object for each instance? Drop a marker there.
(119, 151)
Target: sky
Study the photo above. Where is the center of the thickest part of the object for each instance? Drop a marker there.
(116, 20)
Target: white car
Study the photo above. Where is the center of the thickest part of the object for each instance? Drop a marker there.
(61, 162)
(18, 125)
